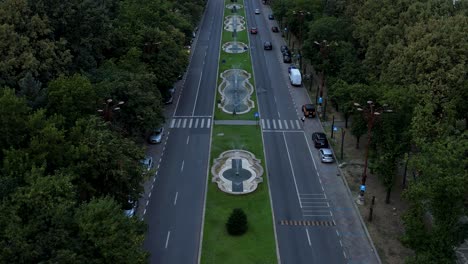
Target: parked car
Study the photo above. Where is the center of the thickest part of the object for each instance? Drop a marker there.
(156, 136)
(326, 155)
(267, 45)
(286, 58)
(295, 77)
(275, 29)
(308, 110)
(130, 208)
(284, 48)
(257, 11)
(320, 140)
(253, 30)
(291, 67)
(169, 99)
(271, 17)
(147, 163)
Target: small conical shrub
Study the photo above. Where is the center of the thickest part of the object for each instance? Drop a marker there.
(237, 222)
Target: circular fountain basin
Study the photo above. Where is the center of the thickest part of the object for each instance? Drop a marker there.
(236, 91)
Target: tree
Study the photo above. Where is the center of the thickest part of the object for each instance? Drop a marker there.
(13, 115)
(73, 97)
(26, 45)
(31, 89)
(107, 235)
(237, 222)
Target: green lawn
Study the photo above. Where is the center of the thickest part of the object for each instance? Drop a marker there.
(235, 61)
(258, 244)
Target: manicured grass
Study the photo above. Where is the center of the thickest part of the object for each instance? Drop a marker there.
(229, 61)
(258, 244)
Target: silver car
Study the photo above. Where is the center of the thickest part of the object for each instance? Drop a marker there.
(326, 155)
(156, 136)
(147, 163)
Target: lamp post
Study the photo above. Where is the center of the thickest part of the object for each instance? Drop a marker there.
(109, 108)
(300, 14)
(371, 113)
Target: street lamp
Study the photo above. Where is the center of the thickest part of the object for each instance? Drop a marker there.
(371, 112)
(109, 108)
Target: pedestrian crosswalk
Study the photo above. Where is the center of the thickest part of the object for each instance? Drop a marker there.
(313, 205)
(280, 124)
(190, 122)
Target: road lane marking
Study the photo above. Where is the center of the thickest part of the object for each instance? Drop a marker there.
(344, 254)
(167, 239)
(337, 233)
(188, 139)
(279, 115)
(172, 123)
(144, 212)
(341, 243)
(268, 123)
(175, 199)
(292, 170)
(147, 202)
(279, 124)
(286, 124)
(202, 123)
(178, 122)
(198, 87)
(292, 124)
(182, 168)
(298, 124)
(308, 237)
(185, 122)
(274, 123)
(263, 123)
(149, 195)
(208, 123)
(196, 123)
(190, 124)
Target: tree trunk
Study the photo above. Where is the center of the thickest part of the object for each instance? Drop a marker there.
(357, 142)
(346, 116)
(387, 197)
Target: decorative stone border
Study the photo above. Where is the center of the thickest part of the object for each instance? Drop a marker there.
(235, 47)
(229, 21)
(231, 6)
(245, 83)
(249, 162)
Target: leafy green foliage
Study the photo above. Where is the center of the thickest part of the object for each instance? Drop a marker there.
(237, 222)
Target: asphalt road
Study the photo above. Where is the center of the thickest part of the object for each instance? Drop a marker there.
(305, 227)
(174, 204)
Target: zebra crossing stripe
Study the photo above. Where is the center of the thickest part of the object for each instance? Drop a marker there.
(268, 123)
(202, 123)
(172, 123)
(190, 123)
(279, 124)
(178, 122)
(263, 123)
(208, 123)
(274, 124)
(196, 123)
(185, 122)
(292, 124)
(298, 125)
(286, 124)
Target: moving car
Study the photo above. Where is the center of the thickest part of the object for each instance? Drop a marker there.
(320, 140)
(156, 136)
(267, 45)
(271, 17)
(257, 11)
(308, 110)
(275, 29)
(253, 30)
(295, 77)
(286, 58)
(326, 155)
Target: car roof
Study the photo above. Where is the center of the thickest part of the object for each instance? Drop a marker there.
(326, 151)
(309, 106)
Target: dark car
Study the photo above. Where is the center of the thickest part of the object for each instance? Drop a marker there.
(286, 58)
(253, 30)
(275, 29)
(320, 140)
(271, 17)
(284, 48)
(267, 45)
(308, 110)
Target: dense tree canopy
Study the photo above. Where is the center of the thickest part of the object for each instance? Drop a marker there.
(66, 169)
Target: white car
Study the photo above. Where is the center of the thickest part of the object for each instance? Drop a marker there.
(257, 11)
(326, 155)
(156, 136)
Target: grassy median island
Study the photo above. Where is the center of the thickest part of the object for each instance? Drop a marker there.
(229, 61)
(258, 244)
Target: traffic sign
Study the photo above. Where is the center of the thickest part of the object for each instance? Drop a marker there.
(363, 188)
(256, 115)
(335, 128)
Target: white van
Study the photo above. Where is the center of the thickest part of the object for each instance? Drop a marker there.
(295, 77)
